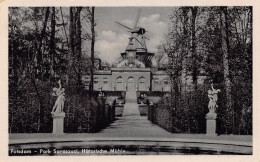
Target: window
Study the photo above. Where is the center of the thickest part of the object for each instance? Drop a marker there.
(156, 81)
(156, 85)
(105, 84)
(105, 81)
(130, 84)
(96, 84)
(166, 87)
(141, 84)
(119, 84)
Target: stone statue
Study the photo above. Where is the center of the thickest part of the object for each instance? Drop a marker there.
(213, 98)
(59, 104)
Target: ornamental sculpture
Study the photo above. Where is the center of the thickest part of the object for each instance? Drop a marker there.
(213, 98)
(59, 104)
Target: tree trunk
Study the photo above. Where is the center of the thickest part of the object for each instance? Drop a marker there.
(92, 51)
(39, 53)
(52, 44)
(225, 50)
(194, 11)
(72, 46)
(185, 48)
(78, 46)
(64, 28)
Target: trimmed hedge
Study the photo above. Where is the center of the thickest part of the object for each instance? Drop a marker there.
(30, 112)
(187, 114)
(143, 109)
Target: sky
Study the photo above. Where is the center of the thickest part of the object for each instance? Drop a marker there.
(112, 39)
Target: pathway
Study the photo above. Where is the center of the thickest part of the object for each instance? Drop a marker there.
(137, 136)
(131, 124)
(131, 107)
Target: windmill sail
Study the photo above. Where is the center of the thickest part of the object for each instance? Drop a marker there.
(138, 36)
(137, 18)
(123, 25)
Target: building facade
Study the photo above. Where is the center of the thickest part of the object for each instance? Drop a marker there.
(133, 73)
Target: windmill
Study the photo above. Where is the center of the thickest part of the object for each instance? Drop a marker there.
(138, 34)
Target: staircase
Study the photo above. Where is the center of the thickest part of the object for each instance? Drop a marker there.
(132, 124)
(131, 107)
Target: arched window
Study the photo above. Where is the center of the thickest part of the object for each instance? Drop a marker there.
(119, 84)
(141, 84)
(130, 84)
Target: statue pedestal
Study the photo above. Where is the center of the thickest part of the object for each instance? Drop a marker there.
(211, 124)
(58, 123)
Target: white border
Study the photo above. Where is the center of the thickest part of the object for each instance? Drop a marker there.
(178, 158)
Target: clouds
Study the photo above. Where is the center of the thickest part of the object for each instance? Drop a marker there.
(156, 30)
(110, 43)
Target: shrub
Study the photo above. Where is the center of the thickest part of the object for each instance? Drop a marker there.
(31, 104)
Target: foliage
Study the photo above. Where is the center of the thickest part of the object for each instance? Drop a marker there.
(214, 43)
(39, 54)
(25, 110)
(185, 118)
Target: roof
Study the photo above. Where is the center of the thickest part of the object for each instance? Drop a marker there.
(131, 69)
(104, 72)
(160, 73)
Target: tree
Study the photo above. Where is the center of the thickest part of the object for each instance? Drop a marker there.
(216, 42)
(225, 50)
(92, 51)
(194, 11)
(39, 57)
(71, 45)
(78, 47)
(38, 53)
(52, 43)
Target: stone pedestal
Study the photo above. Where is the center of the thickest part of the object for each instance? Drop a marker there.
(211, 124)
(58, 123)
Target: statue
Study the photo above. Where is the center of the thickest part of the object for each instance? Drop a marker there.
(59, 103)
(213, 98)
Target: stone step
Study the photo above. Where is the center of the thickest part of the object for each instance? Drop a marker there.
(131, 107)
(131, 96)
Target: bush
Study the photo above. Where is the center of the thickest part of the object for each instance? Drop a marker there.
(186, 113)
(30, 109)
(29, 112)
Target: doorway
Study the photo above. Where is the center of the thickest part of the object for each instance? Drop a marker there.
(130, 84)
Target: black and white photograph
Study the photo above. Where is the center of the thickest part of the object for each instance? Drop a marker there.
(130, 80)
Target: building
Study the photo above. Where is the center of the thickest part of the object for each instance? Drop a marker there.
(134, 73)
